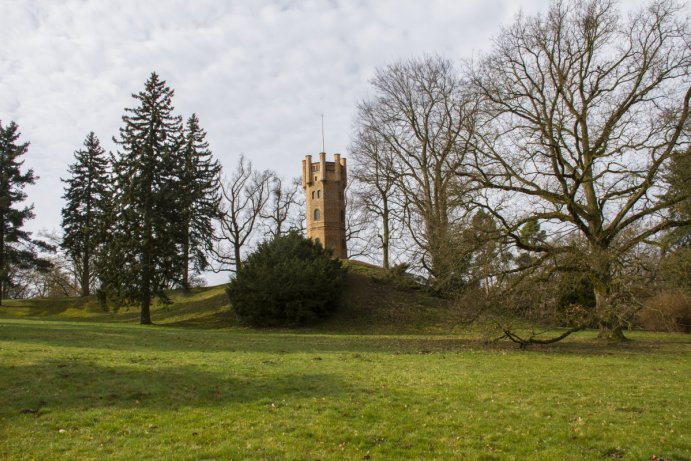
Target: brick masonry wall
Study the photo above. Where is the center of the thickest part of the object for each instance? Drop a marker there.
(324, 185)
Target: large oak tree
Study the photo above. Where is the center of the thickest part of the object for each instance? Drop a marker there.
(584, 109)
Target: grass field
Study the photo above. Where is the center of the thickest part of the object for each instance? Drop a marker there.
(92, 390)
(393, 375)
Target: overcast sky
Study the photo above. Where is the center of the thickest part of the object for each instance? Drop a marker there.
(258, 73)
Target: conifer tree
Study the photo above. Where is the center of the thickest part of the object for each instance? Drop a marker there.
(17, 249)
(145, 230)
(198, 198)
(83, 218)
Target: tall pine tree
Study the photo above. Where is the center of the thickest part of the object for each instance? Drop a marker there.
(199, 196)
(87, 196)
(17, 249)
(146, 229)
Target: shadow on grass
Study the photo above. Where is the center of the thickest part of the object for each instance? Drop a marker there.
(198, 301)
(137, 338)
(209, 321)
(169, 339)
(70, 384)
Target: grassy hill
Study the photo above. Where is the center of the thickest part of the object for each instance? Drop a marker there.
(373, 302)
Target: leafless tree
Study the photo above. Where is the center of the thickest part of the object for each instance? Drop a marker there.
(360, 224)
(583, 111)
(374, 195)
(51, 283)
(281, 213)
(59, 278)
(421, 118)
(244, 199)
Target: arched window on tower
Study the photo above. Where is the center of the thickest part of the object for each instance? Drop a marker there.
(312, 195)
(316, 214)
(319, 193)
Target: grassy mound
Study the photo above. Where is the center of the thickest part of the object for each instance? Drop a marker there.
(377, 302)
(374, 302)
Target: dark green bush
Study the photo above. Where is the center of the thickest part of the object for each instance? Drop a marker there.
(575, 288)
(287, 281)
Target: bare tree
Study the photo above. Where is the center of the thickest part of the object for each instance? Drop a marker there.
(58, 279)
(281, 212)
(584, 110)
(375, 195)
(244, 198)
(52, 283)
(360, 224)
(421, 117)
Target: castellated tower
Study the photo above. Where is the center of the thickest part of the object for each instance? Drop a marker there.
(324, 184)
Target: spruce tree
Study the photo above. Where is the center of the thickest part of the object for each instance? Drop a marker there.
(145, 230)
(83, 218)
(198, 198)
(17, 249)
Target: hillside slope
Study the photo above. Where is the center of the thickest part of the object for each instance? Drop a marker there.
(372, 303)
(207, 307)
(375, 302)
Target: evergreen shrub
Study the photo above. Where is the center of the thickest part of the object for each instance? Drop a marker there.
(288, 281)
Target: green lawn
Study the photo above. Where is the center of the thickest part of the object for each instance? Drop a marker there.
(82, 390)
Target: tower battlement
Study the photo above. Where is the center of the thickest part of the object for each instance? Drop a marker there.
(324, 185)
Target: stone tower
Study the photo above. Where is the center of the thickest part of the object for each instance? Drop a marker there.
(324, 184)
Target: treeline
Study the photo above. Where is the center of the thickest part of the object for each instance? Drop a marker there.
(140, 218)
(549, 177)
(150, 216)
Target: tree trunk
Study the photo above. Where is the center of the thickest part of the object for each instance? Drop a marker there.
(86, 275)
(385, 235)
(440, 256)
(609, 324)
(145, 315)
(147, 250)
(186, 261)
(611, 332)
(238, 262)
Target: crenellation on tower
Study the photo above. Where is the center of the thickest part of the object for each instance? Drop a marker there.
(324, 184)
